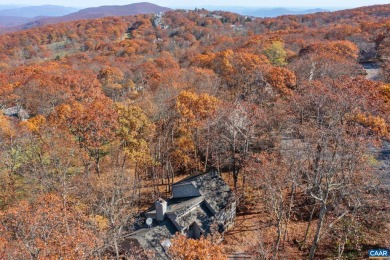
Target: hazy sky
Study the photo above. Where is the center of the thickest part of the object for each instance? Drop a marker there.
(188, 3)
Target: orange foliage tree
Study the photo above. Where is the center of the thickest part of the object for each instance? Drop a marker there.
(46, 229)
(194, 111)
(184, 248)
(93, 124)
(282, 79)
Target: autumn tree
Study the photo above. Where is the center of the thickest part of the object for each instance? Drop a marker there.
(332, 148)
(233, 134)
(113, 203)
(239, 70)
(270, 174)
(334, 59)
(93, 124)
(135, 132)
(45, 229)
(11, 150)
(276, 53)
(194, 111)
(114, 83)
(187, 248)
(282, 79)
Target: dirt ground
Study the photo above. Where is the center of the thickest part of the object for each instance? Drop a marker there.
(253, 233)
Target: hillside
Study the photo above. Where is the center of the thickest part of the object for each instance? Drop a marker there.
(265, 12)
(88, 13)
(14, 16)
(98, 117)
(280, 11)
(12, 21)
(104, 11)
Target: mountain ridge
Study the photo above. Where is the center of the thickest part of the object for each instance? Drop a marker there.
(89, 13)
(263, 12)
(34, 11)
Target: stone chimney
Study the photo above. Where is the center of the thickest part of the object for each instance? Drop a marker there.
(161, 208)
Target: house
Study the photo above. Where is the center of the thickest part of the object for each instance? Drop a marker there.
(199, 204)
(16, 111)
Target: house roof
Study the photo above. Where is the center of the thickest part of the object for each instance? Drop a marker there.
(182, 212)
(180, 205)
(16, 111)
(201, 215)
(213, 188)
(149, 239)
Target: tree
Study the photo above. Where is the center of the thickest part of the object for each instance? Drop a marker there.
(94, 124)
(134, 133)
(113, 82)
(269, 175)
(134, 130)
(335, 59)
(112, 200)
(184, 248)
(6, 129)
(239, 70)
(332, 155)
(276, 53)
(194, 110)
(282, 79)
(233, 133)
(11, 150)
(46, 229)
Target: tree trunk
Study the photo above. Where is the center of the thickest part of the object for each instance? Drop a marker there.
(168, 187)
(64, 202)
(233, 151)
(243, 184)
(289, 211)
(277, 244)
(172, 174)
(219, 164)
(207, 149)
(235, 177)
(318, 232)
(98, 163)
(235, 173)
(279, 213)
(308, 227)
(116, 247)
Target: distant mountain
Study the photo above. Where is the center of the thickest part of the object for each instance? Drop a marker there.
(274, 12)
(34, 11)
(100, 12)
(3, 7)
(265, 12)
(88, 13)
(9, 21)
(104, 11)
(115, 10)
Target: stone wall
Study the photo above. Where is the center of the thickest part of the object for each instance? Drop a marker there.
(227, 216)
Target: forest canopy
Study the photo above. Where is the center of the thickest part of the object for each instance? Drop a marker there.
(120, 107)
